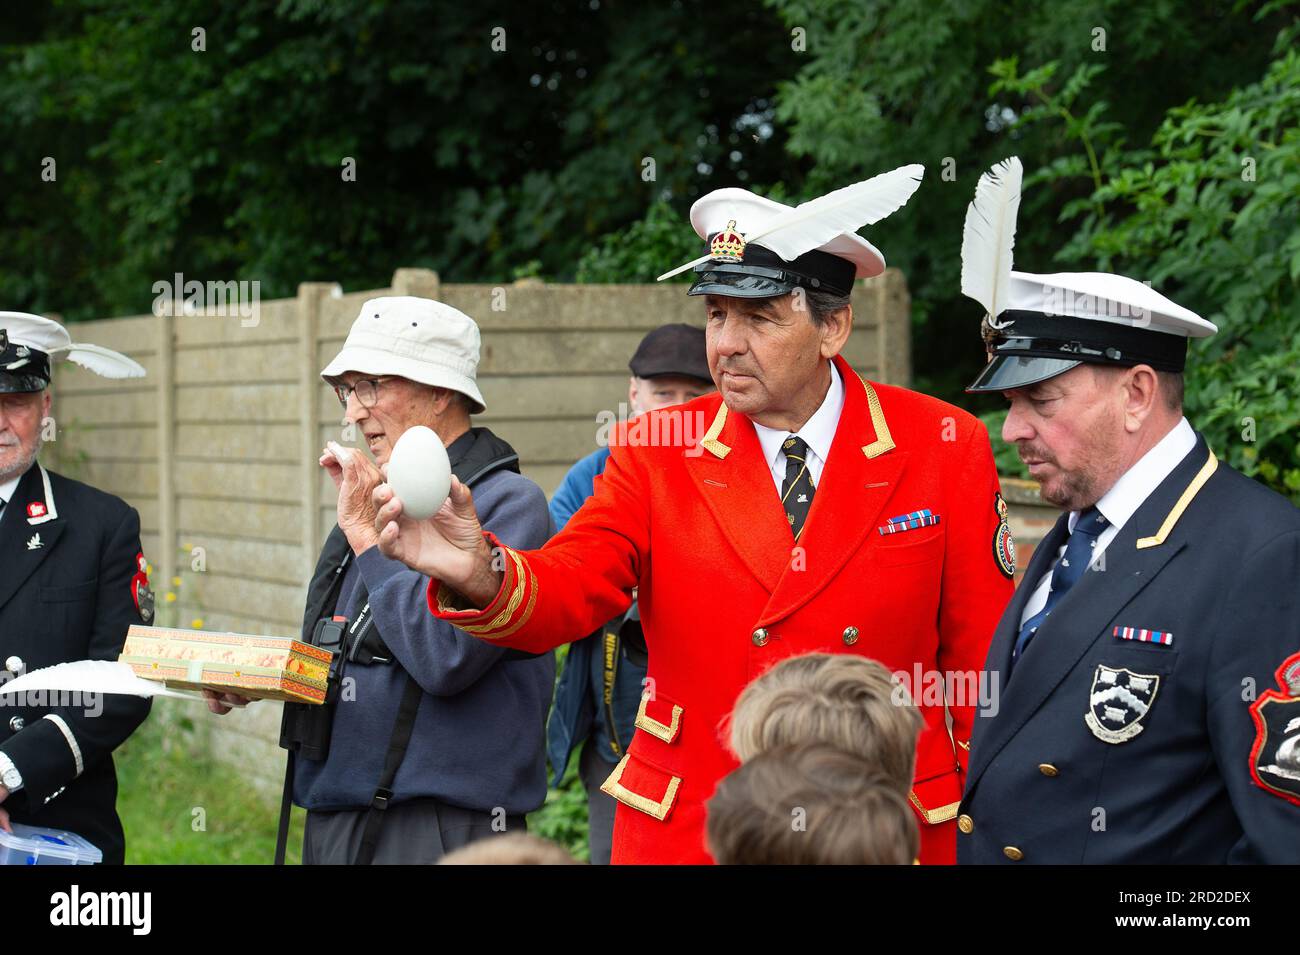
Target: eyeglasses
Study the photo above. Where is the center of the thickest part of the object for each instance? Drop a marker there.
(366, 389)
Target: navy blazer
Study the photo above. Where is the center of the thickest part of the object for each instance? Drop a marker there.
(1103, 748)
(70, 585)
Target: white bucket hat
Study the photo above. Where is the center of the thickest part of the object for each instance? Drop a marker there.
(414, 338)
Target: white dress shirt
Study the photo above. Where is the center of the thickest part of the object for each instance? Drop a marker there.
(1122, 501)
(7, 492)
(818, 431)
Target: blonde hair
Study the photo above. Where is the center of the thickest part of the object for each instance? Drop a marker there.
(810, 805)
(840, 699)
(516, 848)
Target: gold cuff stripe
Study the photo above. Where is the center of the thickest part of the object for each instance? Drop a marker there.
(516, 598)
(934, 816)
(659, 809)
(528, 608)
(1198, 482)
(448, 599)
(662, 731)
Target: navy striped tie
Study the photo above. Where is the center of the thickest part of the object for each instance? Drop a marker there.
(1068, 571)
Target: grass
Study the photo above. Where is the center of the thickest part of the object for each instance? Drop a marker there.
(180, 806)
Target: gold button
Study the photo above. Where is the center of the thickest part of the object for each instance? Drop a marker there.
(966, 824)
(760, 637)
(1012, 853)
(850, 636)
(1047, 769)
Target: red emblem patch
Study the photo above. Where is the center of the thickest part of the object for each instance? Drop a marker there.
(1275, 757)
(36, 509)
(140, 592)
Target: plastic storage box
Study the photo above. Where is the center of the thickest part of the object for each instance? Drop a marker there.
(34, 845)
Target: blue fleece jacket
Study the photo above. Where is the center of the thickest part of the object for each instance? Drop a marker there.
(478, 735)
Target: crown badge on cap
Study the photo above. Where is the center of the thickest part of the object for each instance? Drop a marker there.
(728, 245)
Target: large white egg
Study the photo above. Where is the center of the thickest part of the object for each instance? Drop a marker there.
(419, 472)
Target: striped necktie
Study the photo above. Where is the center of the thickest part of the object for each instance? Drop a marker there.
(1068, 571)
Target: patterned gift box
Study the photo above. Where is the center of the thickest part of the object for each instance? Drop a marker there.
(259, 667)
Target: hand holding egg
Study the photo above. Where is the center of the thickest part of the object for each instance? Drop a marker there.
(419, 472)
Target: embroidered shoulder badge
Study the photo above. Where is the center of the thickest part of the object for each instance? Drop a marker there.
(1275, 757)
(1004, 548)
(141, 595)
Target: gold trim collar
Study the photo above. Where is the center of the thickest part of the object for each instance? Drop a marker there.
(1198, 482)
(884, 440)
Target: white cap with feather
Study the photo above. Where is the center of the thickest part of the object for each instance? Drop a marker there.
(30, 343)
(1039, 326)
(758, 247)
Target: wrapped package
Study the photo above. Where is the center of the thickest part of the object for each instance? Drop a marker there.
(259, 667)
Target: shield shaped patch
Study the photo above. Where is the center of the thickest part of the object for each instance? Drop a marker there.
(1118, 703)
(1275, 757)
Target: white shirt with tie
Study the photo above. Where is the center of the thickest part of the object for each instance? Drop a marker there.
(818, 432)
(1121, 502)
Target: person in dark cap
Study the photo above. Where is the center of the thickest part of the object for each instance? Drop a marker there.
(1150, 659)
(74, 579)
(819, 512)
(600, 687)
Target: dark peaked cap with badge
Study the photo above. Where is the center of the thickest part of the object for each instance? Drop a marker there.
(760, 248)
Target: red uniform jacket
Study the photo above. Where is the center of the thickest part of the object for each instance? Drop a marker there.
(725, 592)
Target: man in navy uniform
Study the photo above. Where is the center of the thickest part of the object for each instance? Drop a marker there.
(599, 690)
(1149, 663)
(73, 582)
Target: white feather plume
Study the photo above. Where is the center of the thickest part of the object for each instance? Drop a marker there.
(990, 236)
(92, 676)
(100, 360)
(812, 224)
(682, 268)
(815, 222)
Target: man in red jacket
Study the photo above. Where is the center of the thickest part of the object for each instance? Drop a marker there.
(820, 512)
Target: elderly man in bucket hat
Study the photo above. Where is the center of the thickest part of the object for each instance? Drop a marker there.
(436, 738)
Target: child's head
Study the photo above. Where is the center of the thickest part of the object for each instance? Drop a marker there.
(839, 699)
(810, 805)
(515, 848)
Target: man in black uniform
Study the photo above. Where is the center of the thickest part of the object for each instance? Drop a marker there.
(73, 580)
(1149, 663)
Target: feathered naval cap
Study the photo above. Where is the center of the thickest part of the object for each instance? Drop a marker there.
(760, 248)
(1039, 326)
(29, 344)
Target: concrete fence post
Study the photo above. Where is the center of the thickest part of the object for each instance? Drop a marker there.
(167, 503)
(310, 295)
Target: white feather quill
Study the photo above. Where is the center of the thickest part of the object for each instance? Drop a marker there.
(814, 223)
(990, 236)
(102, 361)
(92, 676)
